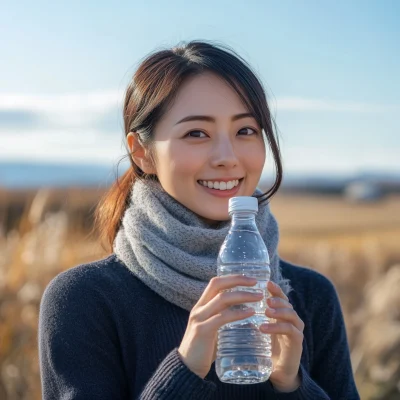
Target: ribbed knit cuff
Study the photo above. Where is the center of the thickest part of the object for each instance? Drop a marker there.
(173, 380)
(307, 390)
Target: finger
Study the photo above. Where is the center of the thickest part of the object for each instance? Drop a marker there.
(275, 290)
(282, 328)
(219, 283)
(225, 300)
(225, 317)
(278, 302)
(287, 315)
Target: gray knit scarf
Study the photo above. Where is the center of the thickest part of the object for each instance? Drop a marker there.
(173, 251)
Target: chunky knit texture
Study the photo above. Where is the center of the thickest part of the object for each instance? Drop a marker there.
(104, 334)
(173, 251)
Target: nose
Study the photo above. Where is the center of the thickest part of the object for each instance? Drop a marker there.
(223, 154)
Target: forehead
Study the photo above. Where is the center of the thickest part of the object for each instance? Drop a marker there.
(205, 94)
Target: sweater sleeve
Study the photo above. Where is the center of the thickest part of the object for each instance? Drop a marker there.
(308, 389)
(80, 355)
(174, 380)
(331, 376)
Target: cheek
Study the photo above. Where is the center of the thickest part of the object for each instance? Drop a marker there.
(176, 160)
(253, 157)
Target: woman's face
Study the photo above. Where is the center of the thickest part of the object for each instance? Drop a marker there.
(197, 158)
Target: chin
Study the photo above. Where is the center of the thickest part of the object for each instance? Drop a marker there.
(215, 217)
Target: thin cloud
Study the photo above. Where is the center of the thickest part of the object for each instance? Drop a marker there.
(68, 102)
(83, 146)
(304, 104)
(60, 111)
(102, 101)
(102, 110)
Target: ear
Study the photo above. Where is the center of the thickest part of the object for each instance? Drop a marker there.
(139, 154)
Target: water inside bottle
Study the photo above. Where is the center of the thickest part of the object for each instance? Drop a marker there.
(244, 353)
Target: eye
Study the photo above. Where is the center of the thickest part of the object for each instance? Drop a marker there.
(196, 134)
(248, 134)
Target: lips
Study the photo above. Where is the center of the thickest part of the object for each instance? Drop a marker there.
(222, 193)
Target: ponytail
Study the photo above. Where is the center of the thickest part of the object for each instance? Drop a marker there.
(111, 208)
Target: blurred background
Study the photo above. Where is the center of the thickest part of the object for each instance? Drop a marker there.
(331, 71)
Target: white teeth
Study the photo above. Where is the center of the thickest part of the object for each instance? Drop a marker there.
(220, 185)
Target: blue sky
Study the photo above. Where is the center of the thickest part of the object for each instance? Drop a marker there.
(331, 70)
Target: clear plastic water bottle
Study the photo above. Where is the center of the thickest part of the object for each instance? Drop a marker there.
(243, 352)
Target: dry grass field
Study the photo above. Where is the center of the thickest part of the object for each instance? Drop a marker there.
(356, 245)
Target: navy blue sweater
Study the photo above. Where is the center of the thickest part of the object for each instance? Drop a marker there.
(103, 334)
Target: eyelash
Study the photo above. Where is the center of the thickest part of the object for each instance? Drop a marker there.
(198, 130)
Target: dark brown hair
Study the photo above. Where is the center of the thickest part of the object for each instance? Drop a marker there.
(150, 93)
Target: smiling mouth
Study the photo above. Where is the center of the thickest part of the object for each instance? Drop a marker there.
(221, 190)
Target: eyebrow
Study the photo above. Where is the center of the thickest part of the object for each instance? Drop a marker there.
(212, 119)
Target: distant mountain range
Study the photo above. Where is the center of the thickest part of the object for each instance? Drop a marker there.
(32, 175)
(331, 183)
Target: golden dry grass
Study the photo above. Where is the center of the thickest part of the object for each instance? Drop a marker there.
(356, 245)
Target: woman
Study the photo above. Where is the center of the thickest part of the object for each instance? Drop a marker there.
(142, 323)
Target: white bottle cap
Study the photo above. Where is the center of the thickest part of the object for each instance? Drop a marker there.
(243, 203)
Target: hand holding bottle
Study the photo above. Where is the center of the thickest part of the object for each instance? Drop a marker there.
(287, 340)
(213, 310)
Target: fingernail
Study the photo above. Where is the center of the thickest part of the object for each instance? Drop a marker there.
(271, 300)
(264, 327)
